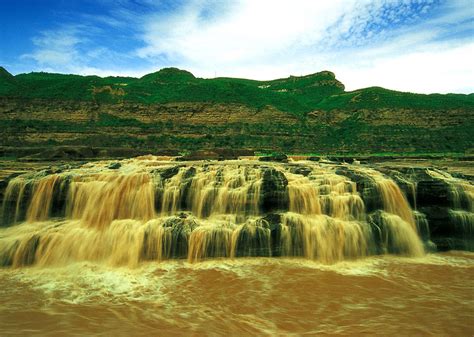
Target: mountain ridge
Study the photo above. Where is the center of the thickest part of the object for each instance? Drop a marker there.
(298, 95)
(173, 109)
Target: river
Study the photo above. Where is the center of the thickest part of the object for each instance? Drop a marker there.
(431, 295)
(147, 246)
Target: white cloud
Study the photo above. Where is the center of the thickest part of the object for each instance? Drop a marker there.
(246, 30)
(71, 49)
(56, 47)
(437, 69)
(355, 38)
(366, 43)
(104, 72)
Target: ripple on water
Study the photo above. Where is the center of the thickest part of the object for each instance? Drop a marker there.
(257, 296)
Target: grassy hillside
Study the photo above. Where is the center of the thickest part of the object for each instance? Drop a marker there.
(172, 109)
(296, 95)
(8, 83)
(380, 98)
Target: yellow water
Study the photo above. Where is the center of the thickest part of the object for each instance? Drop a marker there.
(111, 216)
(377, 296)
(136, 254)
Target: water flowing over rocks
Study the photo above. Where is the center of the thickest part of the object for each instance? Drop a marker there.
(147, 208)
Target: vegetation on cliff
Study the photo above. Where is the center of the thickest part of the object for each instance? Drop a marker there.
(172, 109)
(297, 95)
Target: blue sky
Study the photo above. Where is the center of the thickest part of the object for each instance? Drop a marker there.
(410, 45)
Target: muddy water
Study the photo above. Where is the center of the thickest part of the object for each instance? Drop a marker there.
(139, 250)
(385, 295)
(148, 209)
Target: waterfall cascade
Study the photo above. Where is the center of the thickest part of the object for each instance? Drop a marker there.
(461, 213)
(149, 209)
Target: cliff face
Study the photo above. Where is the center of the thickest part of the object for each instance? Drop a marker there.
(190, 126)
(172, 109)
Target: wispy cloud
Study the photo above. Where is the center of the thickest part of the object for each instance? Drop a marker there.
(56, 47)
(76, 48)
(264, 39)
(399, 44)
(435, 68)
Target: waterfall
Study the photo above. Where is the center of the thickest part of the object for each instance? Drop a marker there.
(150, 209)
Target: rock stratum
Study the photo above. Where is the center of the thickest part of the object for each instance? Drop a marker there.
(173, 111)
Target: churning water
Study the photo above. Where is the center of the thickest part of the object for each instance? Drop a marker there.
(238, 248)
(385, 296)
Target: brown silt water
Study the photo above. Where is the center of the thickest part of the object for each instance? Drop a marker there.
(235, 248)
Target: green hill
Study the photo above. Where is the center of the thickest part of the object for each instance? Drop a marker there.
(8, 83)
(173, 109)
(376, 98)
(295, 95)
